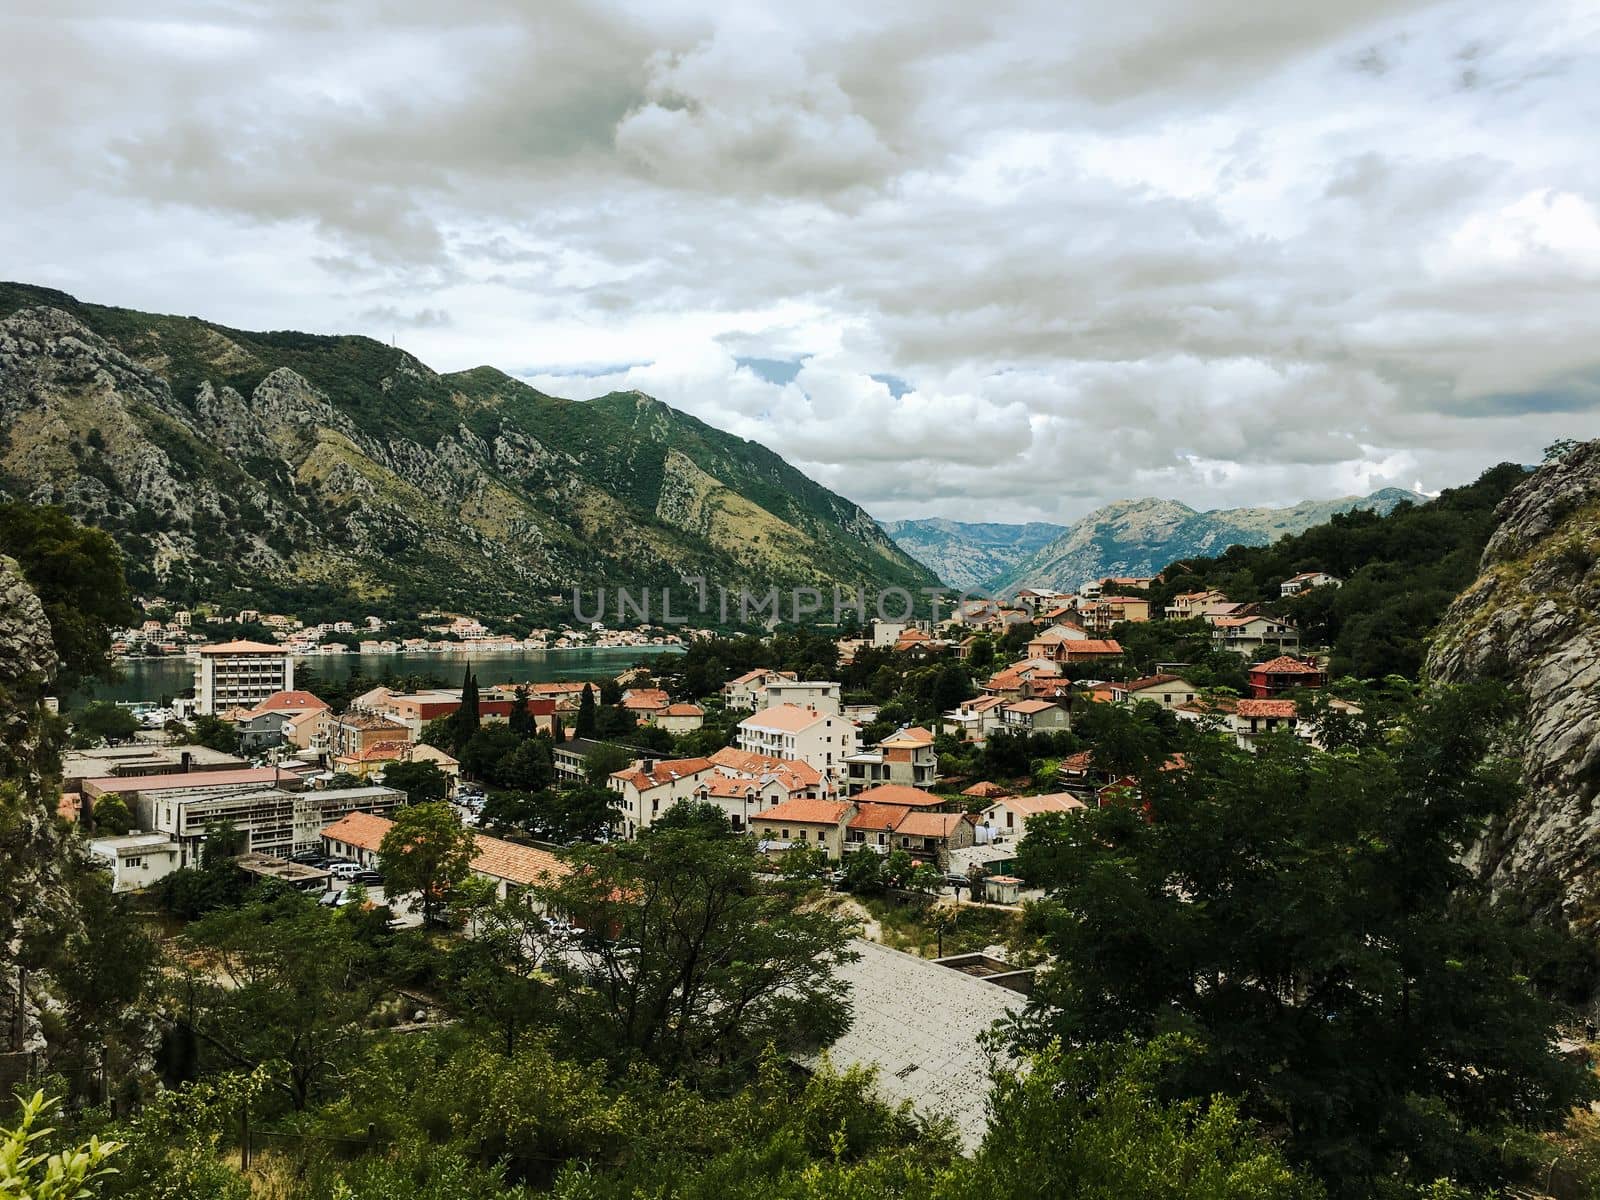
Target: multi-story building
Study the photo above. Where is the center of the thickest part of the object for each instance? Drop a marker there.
(904, 757)
(240, 675)
(647, 789)
(789, 731)
(748, 691)
(804, 693)
(271, 820)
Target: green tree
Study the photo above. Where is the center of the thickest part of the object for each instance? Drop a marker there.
(214, 733)
(482, 754)
(77, 575)
(280, 981)
(709, 964)
(494, 968)
(422, 781)
(110, 722)
(110, 815)
(520, 719)
(600, 762)
(467, 717)
(1308, 917)
(586, 717)
(428, 851)
(528, 768)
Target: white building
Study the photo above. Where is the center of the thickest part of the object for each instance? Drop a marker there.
(272, 820)
(137, 860)
(748, 691)
(1306, 580)
(240, 675)
(647, 789)
(804, 693)
(789, 731)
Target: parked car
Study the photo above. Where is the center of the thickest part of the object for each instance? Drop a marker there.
(345, 870)
(369, 879)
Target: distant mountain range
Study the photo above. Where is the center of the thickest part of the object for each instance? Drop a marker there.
(1129, 537)
(291, 465)
(966, 555)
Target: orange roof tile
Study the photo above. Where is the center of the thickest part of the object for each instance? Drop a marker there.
(243, 648)
(1285, 664)
(929, 824)
(790, 718)
(986, 790)
(805, 812)
(878, 816)
(901, 794)
(1267, 708)
(663, 772)
(289, 702)
(1032, 806)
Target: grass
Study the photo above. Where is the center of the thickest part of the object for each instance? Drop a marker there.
(914, 925)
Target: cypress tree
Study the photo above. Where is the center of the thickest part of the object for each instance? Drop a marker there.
(467, 720)
(586, 713)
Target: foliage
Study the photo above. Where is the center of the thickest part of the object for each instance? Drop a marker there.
(701, 963)
(1400, 572)
(103, 720)
(27, 1172)
(282, 981)
(586, 719)
(426, 850)
(212, 732)
(601, 761)
(422, 781)
(1307, 917)
(111, 815)
(77, 574)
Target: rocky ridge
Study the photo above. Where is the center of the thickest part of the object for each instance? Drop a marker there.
(1532, 619)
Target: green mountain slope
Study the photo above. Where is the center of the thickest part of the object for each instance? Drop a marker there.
(300, 466)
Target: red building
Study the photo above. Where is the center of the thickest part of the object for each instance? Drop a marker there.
(1280, 675)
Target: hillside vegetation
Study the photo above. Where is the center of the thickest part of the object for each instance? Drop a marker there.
(1400, 572)
(338, 469)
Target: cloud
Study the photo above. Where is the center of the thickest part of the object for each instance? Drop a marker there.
(989, 262)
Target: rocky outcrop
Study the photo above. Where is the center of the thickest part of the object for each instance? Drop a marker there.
(1532, 619)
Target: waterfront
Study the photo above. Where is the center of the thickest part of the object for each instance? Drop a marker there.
(154, 678)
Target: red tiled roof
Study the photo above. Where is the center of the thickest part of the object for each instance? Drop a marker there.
(662, 772)
(107, 784)
(1032, 806)
(362, 830)
(243, 648)
(790, 718)
(901, 794)
(1149, 681)
(805, 812)
(878, 816)
(501, 859)
(985, 790)
(929, 824)
(1089, 647)
(1267, 708)
(747, 762)
(683, 710)
(1285, 664)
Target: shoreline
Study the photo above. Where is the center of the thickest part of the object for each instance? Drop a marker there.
(452, 648)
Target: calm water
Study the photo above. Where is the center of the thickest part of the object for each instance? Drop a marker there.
(152, 678)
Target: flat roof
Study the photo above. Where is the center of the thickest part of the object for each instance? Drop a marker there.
(918, 1023)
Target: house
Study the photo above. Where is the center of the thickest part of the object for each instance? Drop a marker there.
(569, 756)
(680, 718)
(747, 692)
(269, 722)
(355, 731)
(240, 675)
(1009, 817)
(933, 835)
(379, 756)
(904, 797)
(311, 731)
(1307, 580)
(645, 703)
(973, 720)
(799, 780)
(1276, 676)
(649, 788)
(789, 731)
(359, 836)
(1248, 634)
(414, 710)
(1046, 644)
(1196, 605)
(1035, 716)
(136, 860)
(819, 694)
(1038, 599)
(986, 790)
(1253, 719)
(904, 757)
(1169, 691)
(818, 823)
(1098, 616)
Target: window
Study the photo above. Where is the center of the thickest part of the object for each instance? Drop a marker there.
(786, 835)
(133, 862)
(1011, 818)
(821, 835)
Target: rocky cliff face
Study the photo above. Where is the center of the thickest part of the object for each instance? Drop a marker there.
(32, 893)
(223, 459)
(1532, 618)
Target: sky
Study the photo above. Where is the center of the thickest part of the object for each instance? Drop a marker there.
(989, 261)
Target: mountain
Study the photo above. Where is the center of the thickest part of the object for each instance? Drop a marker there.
(966, 555)
(1532, 619)
(335, 470)
(1141, 537)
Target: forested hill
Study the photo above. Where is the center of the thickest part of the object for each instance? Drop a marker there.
(1400, 570)
(300, 464)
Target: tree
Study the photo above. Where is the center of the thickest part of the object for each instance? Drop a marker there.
(494, 968)
(709, 964)
(602, 760)
(1308, 917)
(111, 722)
(520, 719)
(482, 753)
(110, 815)
(528, 768)
(77, 574)
(283, 981)
(467, 718)
(422, 781)
(586, 718)
(426, 850)
(863, 871)
(214, 733)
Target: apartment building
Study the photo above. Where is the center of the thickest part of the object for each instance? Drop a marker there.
(788, 731)
(240, 675)
(905, 757)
